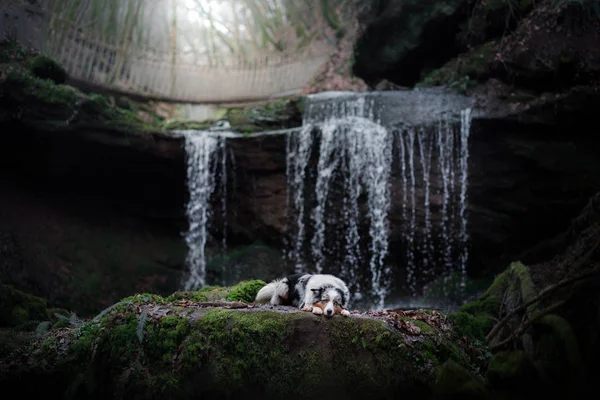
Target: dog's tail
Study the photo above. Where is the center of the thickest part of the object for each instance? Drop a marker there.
(273, 292)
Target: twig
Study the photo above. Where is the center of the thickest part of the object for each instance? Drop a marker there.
(527, 324)
(537, 298)
(223, 304)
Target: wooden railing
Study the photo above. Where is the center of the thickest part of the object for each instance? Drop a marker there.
(141, 72)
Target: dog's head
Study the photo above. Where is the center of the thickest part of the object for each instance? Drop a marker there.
(330, 300)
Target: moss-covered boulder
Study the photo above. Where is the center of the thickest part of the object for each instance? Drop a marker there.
(18, 308)
(454, 382)
(46, 68)
(33, 93)
(244, 291)
(278, 114)
(401, 38)
(150, 347)
(179, 124)
(465, 71)
(512, 371)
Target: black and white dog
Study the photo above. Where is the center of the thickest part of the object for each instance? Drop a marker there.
(319, 294)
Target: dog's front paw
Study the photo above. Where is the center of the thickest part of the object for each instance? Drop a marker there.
(345, 313)
(307, 308)
(317, 311)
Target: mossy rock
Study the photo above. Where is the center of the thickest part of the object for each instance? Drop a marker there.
(19, 308)
(44, 67)
(279, 114)
(42, 104)
(32, 92)
(159, 349)
(465, 71)
(244, 291)
(454, 382)
(512, 371)
(172, 125)
(11, 340)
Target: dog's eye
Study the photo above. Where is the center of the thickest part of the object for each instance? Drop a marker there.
(335, 303)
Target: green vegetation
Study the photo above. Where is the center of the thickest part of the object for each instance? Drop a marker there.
(46, 68)
(465, 71)
(19, 308)
(278, 114)
(244, 291)
(32, 92)
(453, 381)
(172, 125)
(149, 344)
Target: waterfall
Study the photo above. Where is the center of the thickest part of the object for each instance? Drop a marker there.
(206, 159)
(341, 190)
(361, 167)
(351, 143)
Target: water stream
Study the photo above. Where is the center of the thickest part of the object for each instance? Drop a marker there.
(357, 162)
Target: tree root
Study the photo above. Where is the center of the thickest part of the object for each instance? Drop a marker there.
(526, 324)
(543, 294)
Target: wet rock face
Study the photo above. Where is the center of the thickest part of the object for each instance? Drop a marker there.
(401, 38)
(526, 180)
(178, 347)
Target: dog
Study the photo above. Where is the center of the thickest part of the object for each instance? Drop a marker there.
(320, 294)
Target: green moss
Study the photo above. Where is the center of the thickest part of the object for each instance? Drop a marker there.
(143, 298)
(11, 340)
(527, 288)
(19, 308)
(453, 381)
(488, 304)
(224, 353)
(208, 293)
(564, 332)
(425, 328)
(44, 67)
(511, 370)
(472, 326)
(463, 72)
(278, 114)
(188, 124)
(32, 92)
(245, 291)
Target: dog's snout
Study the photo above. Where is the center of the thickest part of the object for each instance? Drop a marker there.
(329, 311)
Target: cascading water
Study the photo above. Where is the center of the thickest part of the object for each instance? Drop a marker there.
(353, 143)
(341, 187)
(206, 158)
(358, 161)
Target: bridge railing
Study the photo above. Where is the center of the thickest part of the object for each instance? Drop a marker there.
(127, 69)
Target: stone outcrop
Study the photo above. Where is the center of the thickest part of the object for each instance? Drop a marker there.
(191, 345)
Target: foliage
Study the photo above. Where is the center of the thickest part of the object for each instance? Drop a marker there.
(245, 291)
(285, 25)
(19, 308)
(44, 67)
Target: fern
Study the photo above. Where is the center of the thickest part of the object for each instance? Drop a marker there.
(141, 324)
(109, 309)
(41, 329)
(61, 317)
(74, 320)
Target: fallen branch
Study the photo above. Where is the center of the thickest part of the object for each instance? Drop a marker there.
(223, 304)
(527, 324)
(539, 297)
